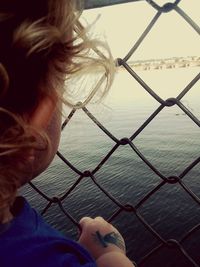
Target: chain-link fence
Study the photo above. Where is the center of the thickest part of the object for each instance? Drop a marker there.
(173, 247)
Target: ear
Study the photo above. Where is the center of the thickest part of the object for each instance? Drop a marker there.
(42, 115)
(47, 119)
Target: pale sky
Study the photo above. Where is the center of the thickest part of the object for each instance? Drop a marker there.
(121, 25)
(171, 36)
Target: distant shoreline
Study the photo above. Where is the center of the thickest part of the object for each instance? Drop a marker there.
(166, 63)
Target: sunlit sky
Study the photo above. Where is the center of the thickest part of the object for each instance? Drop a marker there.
(171, 36)
(121, 25)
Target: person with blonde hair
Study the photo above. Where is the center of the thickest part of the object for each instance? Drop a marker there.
(42, 44)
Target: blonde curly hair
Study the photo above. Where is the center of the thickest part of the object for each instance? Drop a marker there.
(42, 43)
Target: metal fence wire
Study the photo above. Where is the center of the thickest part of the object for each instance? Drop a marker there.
(177, 245)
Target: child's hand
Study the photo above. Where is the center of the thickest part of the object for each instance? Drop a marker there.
(100, 237)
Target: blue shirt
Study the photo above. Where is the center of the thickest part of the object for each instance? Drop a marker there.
(27, 241)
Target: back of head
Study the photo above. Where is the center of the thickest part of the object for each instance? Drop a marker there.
(38, 43)
(36, 53)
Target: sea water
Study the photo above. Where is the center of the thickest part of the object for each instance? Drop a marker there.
(170, 142)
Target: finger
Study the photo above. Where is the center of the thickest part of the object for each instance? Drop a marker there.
(84, 221)
(99, 218)
(103, 222)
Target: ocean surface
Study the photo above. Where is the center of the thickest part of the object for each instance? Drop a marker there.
(170, 142)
